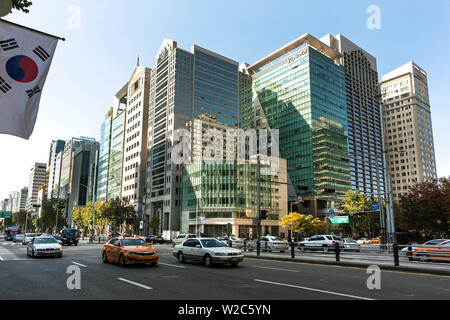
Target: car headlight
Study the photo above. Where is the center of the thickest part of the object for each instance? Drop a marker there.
(60, 249)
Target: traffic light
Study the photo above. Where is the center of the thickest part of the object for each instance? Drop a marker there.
(263, 215)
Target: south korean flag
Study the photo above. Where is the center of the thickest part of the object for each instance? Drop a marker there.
(25, 59)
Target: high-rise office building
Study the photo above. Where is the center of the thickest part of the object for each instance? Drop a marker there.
(23, 198)
(408, 127)
(109, 181)
(37, 179)
(78, 173)
(136, 136)
(14, 202)
(184, 85)
(53, 163)
(365, 132)
(302, 94)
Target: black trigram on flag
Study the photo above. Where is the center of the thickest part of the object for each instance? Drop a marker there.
(41, 53)
(8, 44)
(33, 91)
(4, 86)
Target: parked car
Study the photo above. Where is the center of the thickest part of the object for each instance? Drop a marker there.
(183, 237)
(127, 251)
(2, 236)
(375, 241)
(209, 251)
(269, 243)
(351, 245)
(235, 242)
(439, 252)
(44, 246)
(321, 242)
(69, 237)
(155, 239)
(18, 237)
(363, 241)
(28, 237)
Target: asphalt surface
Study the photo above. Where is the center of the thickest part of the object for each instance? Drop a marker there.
(23, 278)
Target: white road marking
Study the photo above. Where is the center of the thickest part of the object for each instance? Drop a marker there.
(79, 264)
(315, 290)
(275, 269)
(1, 259)
(135, 283)
(171, 265)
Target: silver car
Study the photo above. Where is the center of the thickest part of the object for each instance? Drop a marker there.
(28, 237)
(351, 245)
(44, 246)
(18, 238)
(235, 242)
(269, 243)
(209, 251)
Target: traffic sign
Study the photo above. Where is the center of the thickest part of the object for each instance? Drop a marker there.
(340, 220)
(300, 199)
(141, 225)
(6, 214)
(331, 212)
(375, 207)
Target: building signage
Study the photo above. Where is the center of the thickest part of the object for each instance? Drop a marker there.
(297, 55)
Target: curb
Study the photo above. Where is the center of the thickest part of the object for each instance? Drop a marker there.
(357, 264)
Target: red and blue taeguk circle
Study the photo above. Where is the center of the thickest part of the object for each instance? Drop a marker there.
(22, 69)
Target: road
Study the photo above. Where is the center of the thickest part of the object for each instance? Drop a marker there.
(45, 278)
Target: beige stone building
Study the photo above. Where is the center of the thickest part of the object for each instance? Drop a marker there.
(408, 127)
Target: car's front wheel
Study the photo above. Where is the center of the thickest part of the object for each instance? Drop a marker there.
(122, 262)
(207, 261)
(104, 257)
(33, 255)
(180, 257)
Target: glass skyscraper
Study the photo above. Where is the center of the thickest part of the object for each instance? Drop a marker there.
(303, 96)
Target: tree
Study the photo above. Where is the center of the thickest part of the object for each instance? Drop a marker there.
(426, 208)
(120, 214)
(19, 219)
(301, 223)
(50, 210)
(154, 224)
(361, 220)
(22, 5)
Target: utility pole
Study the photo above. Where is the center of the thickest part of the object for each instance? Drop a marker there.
(93, 197)
(258, 181)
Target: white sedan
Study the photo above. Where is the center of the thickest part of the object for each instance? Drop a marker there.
(209, 251)
(44, 246)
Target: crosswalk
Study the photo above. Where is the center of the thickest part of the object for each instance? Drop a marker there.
(8, 255)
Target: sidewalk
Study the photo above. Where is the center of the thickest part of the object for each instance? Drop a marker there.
(416, 267)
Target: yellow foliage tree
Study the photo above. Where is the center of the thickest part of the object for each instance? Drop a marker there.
(297, 222)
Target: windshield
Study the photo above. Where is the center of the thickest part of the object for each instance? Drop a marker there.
(70, 233)
(31, 235)
(433, 242)
(275, 239)
(212, 243)
(133, 242)
(350, 241)
(45, 241)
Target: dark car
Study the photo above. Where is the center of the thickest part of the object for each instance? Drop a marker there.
(69, 237)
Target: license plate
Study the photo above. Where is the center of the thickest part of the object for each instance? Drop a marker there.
(71, 241)
(234, 259)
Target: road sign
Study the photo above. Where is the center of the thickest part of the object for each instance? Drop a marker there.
(340, 220)
(6, 214)
(375, 207)
(141, 225)
(331, 212)
(300, 199)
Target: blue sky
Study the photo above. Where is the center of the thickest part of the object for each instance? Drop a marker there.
(98, 58)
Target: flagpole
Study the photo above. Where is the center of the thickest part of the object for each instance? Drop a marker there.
(34, 30)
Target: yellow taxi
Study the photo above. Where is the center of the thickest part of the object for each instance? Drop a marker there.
(128, 251)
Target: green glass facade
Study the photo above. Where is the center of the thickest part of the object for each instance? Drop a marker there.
(227, 190)
(303, 96)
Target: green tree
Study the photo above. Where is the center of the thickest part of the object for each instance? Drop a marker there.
(154, 224)
(50, 210)
(19, 219)
(121, 215)
(22, 5)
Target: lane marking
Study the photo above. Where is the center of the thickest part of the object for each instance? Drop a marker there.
(1, 259)
(134, 283)
(171, 265)
(350, 267)
(79, 264)
(315, 290)
(275, 269)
